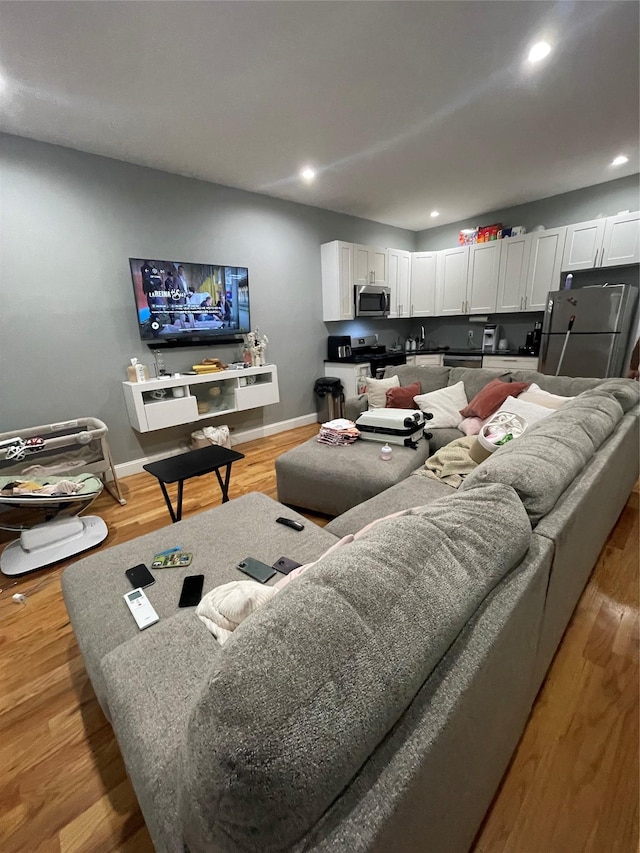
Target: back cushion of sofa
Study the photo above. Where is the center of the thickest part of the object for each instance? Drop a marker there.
(430, 378)
(304, 691)
(544, 461)
(566, 386)
(475, 378)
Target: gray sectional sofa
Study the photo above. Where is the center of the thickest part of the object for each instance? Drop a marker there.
(374, 703)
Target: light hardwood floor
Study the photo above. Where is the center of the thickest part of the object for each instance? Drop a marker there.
(572, 785)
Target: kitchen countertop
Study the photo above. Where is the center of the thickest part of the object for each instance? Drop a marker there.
(466, 351)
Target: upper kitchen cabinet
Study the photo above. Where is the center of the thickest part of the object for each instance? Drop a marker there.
(482, 281)
(451, 281)
(608, 242)
(337, 280)
(370, 265)
(621, 242)
(512, 278)
(400, 283)
(423, 284)
(545, 264)
(583, 245)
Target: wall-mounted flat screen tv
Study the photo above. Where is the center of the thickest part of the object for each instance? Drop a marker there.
(182, 303)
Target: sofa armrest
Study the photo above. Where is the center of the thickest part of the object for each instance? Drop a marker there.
(355, 406)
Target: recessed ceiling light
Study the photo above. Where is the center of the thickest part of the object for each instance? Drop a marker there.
(539, 51)
(308, 174)
(620, 160)
(435, 213)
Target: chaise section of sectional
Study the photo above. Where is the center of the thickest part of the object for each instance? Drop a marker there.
(219, 538)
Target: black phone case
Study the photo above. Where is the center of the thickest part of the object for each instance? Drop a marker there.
(256, 569)
(191, 591)
(139, 576)
(285, 565)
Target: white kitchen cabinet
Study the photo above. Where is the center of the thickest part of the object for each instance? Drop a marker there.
(545, 264)
(482, 281)
(353, 376)
(451, 281)
(423, 284)
(582, 245)
(370, 265)
(512, 277)
(429, 360)
(337, 280)
(400, 283)
(607, 242)
(621, 241)
(509, 362)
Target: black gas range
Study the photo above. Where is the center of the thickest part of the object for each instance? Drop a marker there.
(362, 350)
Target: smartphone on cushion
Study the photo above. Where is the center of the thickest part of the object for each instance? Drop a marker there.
(191, 591)
(257, 570)
(139, 576)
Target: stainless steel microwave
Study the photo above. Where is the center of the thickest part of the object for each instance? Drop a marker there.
(372, 300)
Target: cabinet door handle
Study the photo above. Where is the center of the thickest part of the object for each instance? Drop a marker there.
(602, 258)
(521, 303)
(595, 260)
(525, 303)
(412, 309)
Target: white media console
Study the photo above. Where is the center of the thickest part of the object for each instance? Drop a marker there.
(186, 396)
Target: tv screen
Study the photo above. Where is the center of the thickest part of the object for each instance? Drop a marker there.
(182, 303)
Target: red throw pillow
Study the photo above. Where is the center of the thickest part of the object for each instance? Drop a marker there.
(491, 398)
(402, 396)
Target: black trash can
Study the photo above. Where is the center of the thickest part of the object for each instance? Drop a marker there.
(330, 398)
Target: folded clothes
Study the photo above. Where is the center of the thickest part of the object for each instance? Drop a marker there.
(339, 431)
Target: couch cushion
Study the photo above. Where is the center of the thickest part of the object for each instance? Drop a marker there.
(414, 491)
(287, 720)
(430, 378)
(93, 587)
(547, 458)
(566, 386)
(152, 681)
(334, 479)
(441, 437)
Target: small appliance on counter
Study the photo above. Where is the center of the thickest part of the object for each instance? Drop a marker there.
(532, 343)
(338, 347)
(358, 350)
(490, 337)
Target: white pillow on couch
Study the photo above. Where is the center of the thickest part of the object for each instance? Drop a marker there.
(445, 405)
(377, 391)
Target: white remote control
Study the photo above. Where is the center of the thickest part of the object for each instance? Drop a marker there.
(141, 608)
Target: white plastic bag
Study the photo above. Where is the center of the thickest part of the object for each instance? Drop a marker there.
(211, 435)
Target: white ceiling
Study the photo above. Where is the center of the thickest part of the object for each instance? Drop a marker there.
(403, 106)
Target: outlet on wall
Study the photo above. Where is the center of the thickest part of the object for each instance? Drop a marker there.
(470, 336)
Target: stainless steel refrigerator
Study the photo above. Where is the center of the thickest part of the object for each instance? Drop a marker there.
(586, 331)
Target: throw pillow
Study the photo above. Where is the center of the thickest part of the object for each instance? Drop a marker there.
(471, 426)
(531, 412)
(402, 397)
(445, 405)
(377, 391)
(535, 394)
(491, 398)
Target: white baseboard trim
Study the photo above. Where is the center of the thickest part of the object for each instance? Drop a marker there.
(125, 469)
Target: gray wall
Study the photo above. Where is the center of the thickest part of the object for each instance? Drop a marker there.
(579, 206)
(70, 221)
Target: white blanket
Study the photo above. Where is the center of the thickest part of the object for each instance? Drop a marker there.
(226, 606)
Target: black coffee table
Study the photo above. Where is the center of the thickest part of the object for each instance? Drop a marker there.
(195, 463)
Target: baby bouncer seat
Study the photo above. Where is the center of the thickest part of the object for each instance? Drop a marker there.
(47, 478)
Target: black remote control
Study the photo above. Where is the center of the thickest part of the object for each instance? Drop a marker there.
(289, 522)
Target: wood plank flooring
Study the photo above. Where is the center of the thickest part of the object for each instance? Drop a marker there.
(572, 784)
